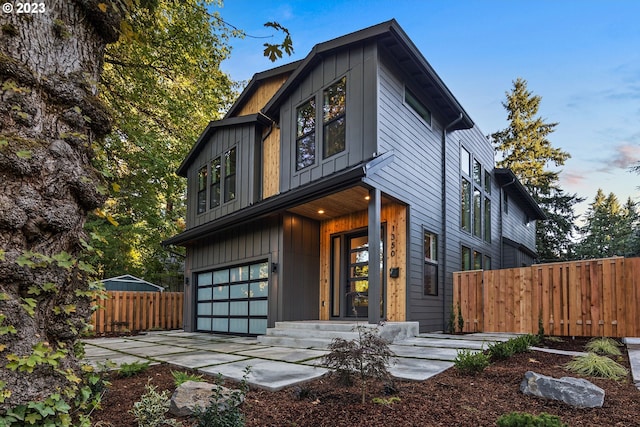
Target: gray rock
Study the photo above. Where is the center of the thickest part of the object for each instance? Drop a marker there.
(192, 394)
(573, 391)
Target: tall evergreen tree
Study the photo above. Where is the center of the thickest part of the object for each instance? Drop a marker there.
(524, 148)
(610, 229)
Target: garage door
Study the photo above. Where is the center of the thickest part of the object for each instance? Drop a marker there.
(234, 300)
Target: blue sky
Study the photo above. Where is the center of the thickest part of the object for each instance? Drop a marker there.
(581, 56)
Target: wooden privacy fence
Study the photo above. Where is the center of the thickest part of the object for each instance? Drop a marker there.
(138, 311)
(599, 297)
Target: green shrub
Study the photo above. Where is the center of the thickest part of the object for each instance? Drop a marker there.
(500, 350)
(522, 343)
(150, 410)
(365, 357)
(470, 362)
(522, 419)
(594, 365)
(132, 369)
(228, 415)
(604, 346)
(180, 377)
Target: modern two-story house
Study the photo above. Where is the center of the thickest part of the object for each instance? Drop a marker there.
(359, 152)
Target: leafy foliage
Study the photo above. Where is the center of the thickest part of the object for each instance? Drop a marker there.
(132, 369)
(229, 414)
(604, 346)
(365, 357)
(470, 362)
(594, 365)
(522, 419)
(151, 409)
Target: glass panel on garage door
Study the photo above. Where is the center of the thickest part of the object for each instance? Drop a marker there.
(233, 300)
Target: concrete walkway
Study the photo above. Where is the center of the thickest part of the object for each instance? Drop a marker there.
(277, 367)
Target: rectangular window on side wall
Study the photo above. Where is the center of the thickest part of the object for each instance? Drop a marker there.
(487, 263)
(418, 107)
(214, 199)
(306, 134)
(465, 161)
(477, 216)
(477, 173)
(465, 211)
(487, 220)
(430, 264)
(477, 260)
(334, 109)
(487, 182)
(202, 189)
(466, 258)
(230, 175)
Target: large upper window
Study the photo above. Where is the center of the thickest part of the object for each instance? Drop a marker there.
(202, 189)
(418, 107)
(215, 183)
(430, 264)
(230, 175)
(334, 117)
(475, 202)
(465, 208)
(306, 134)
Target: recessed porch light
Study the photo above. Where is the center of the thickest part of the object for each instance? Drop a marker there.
(321, 211)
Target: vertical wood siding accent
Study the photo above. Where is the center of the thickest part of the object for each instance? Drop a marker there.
(358, 64)
(271, 164)
(262, 95)
(394, 215)
(598, 297)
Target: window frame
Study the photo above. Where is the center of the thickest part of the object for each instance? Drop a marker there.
(201, 198)
(215, 187)
(328, 119)
(415, 105)
(430, 263)
(230, 176)
(309, 136)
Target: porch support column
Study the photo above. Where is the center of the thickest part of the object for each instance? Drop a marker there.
(374, 256)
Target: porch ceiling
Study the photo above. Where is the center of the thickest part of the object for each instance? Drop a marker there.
(347, 201)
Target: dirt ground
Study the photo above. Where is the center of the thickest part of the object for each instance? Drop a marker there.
(448, 399)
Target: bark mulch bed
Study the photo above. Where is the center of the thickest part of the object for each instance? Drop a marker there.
(448, 399)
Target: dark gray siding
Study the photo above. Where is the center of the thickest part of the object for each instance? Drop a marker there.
(300, 268)
(357, 63)
(246, 140)
(415, 177)
(516, 225)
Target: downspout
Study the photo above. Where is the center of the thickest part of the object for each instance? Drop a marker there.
(444, 214)
(502, 220)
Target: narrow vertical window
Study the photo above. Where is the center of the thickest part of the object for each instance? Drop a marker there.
(214, 198)
(465, 161)
(202, 190)
(487, 220)
(477, 260)
(466, 258)
(430, 264)
(230, 175)
(487, 263)
(334, 118)
(477, 215)
(466, 205)
(487, 182)
(306, 134)
(477, 173)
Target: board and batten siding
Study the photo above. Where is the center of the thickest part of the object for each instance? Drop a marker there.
(358, 64)
(415, 177)
(248, 151)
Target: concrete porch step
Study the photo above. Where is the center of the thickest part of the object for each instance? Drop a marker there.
(319, 334)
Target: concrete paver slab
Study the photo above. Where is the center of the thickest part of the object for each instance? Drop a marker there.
(446, 343)
(417, 369)
(285, 354)
(125, 345)
(157, 350)
(199, 359)
(268, 374)
(226, 347)
(424, 352)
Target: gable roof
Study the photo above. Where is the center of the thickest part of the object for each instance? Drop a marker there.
(209, 130)
(510, 183)
(392, 37)
(255, 83)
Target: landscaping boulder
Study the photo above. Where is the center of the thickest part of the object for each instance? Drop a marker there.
(192, 394)
(572, 391)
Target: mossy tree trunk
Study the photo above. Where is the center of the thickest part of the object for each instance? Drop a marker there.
(50, 63)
